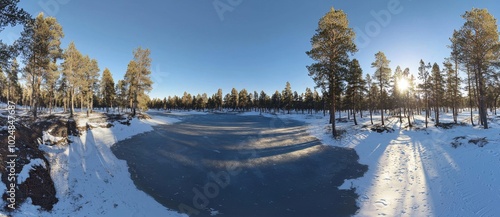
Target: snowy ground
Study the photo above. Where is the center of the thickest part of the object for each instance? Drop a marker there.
(90, 180)
(411, 172)
(418, 172)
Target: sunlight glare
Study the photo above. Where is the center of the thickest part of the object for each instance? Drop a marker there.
(403, 84)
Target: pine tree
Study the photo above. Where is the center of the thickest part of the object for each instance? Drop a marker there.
(138, 77)
(14, 92)
(3, 85)
(256, 103)
(276, 101)
(243, 99)
(72, 70)
(382, 76)
(317, 101)
(477, 43)
(218, 99)
(396, 95)
(355, 87)
(372, 95)
(423, 75)
(452, 88)
(90, 78)
(121, 94)
(287, 97)
(410, 90)
(40, 41)
(331, 46)
(11, 15)
(63, 91)
(436, 82)
(309, 100)
(50, 82)
(263, 101)
(455, 57)
(233, 100)
(107, 89)
(297, 102)
(187, 101)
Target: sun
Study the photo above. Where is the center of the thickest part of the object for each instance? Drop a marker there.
(403, 84)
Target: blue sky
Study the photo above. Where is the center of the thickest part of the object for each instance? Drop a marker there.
(256, 44)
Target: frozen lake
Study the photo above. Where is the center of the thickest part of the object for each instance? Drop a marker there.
(232, 165)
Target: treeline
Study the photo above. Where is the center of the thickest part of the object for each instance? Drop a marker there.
(284, 101)
(433, 89)
(475, 50)
(57, 77)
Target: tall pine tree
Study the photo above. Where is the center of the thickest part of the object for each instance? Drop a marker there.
(107, 89)
(355, 87)
(40, 44)
(382, 76)
(138, 78)
(423, 75)
(477, 43)
(287, 97)
(437, 88)
(331, 46)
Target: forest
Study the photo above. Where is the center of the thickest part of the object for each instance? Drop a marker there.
(55, 77)
(435, 88)
(468, 79)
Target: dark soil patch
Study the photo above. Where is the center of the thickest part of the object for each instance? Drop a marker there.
(481, 142)
(381, 128)
(115, 117)
(343, 120)
(460, 140)
(456, 141)
(449, 125)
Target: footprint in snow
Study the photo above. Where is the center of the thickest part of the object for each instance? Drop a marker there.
(381, 202)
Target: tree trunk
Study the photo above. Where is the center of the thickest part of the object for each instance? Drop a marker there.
(482, 103)
(332, 115)
(382, 116)
(400, 115)
(470, 97)
(354, 116)
(371, 116)
(72, 97)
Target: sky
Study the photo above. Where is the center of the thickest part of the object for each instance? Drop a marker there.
(257, 45)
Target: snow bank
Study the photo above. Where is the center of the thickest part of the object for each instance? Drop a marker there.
(159, 120)
(418, 172)
(91, 181)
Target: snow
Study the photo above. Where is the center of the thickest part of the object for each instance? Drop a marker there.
(213, 212)
(159, 120)
(418, 172)
(90, 180)
(24, 174)
(411, 172)
(47, 137)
